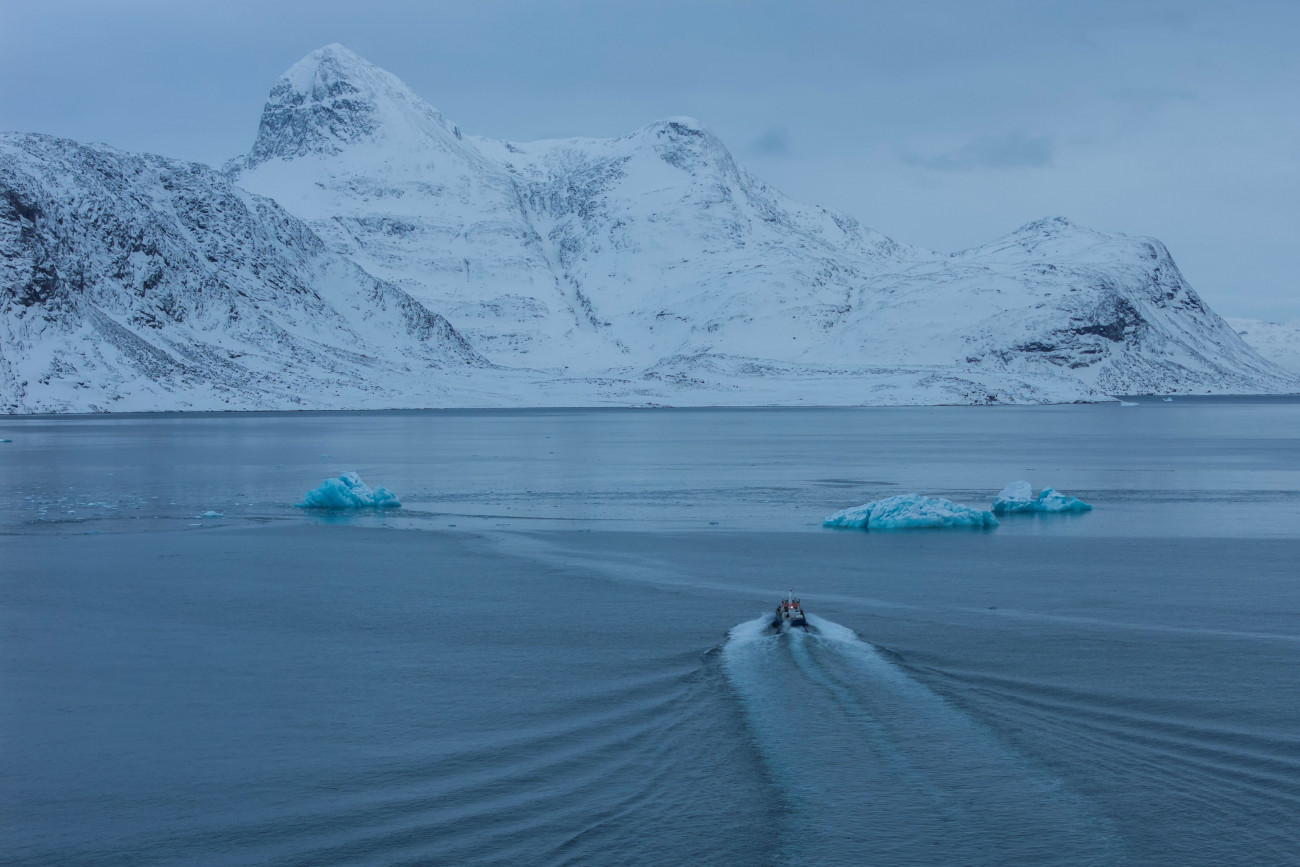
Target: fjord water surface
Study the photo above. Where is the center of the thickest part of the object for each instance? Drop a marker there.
(554, 652)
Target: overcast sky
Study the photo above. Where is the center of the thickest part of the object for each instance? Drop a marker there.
(942, 124)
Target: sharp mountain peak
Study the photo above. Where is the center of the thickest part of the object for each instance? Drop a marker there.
(333, 99)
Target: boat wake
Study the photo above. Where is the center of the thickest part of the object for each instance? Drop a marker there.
(871, 765)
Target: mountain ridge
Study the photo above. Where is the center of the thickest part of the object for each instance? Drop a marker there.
(138, 282)
(452, 269)
(657, 245)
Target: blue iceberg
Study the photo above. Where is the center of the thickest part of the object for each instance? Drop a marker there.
(348, 492)
(907, 511)
(1019, 497)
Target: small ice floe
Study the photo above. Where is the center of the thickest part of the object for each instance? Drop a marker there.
(6, 441)
(907, 511)
(1019, 497)
(1167, 399)
(348, 492)
(210, 514)
(1128, 403)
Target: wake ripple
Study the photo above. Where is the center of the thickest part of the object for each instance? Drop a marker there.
(873, 767)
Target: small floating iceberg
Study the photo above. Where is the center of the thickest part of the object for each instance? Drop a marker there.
(208, 514)
(907, 511)
(1019, 497)
(348, 492)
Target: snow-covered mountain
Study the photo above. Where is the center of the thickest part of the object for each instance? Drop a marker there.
(657, 256)
(649, 268)
(1279, 342)
(136, 282)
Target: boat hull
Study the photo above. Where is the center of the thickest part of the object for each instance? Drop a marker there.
(790, 623)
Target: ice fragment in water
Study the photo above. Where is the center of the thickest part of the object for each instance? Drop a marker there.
(210, 514)
(348, 492)
(1019, 497)
(907, 511)
(1015, 497)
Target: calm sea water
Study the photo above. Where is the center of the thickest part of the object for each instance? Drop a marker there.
(554, 653)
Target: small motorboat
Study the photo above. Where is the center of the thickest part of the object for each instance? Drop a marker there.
(789, 613)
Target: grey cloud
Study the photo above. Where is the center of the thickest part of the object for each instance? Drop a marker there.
(773, 142)
(1006, 151)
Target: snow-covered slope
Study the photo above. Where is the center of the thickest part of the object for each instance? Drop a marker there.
(384, 179)
(1113, 310)
(1279, 342)
(649, 268)
(136, 282)
(654, 256)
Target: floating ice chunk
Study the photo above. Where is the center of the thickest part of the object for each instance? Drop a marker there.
(906, 511)
(210, 514)
(1128, 403)
(1052, 500)
(1019, 497)
(348, 492)
(1167, 399)
(1015, 497)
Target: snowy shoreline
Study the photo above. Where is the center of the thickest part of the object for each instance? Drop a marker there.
(576, 407)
